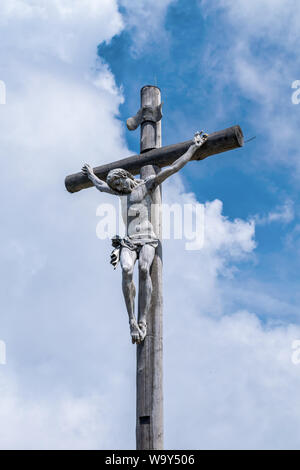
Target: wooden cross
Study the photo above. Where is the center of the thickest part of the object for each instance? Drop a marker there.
(153, 157)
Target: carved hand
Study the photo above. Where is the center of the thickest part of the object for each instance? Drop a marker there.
(87, 170)
(200, 138)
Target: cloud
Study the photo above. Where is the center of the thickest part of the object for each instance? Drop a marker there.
(283, 214)
(235, 383)
(70, 372)
(61, 30)
(259, 57)
(62, 106)
(145, 21)
(277, 14)
(292, 240)
(63, 422)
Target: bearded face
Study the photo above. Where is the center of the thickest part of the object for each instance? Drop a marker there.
(122, 185)
(121, 181)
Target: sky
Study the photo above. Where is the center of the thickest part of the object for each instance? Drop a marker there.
(73, 70)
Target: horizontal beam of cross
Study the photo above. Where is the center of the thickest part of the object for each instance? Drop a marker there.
(217, 142)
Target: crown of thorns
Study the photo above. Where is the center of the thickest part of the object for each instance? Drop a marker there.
(118, 173)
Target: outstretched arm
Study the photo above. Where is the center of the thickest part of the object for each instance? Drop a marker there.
(199, 139)
(87, 170)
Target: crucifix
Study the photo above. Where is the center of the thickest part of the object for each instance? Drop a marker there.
(141, 199)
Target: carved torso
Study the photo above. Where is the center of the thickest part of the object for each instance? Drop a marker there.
(136, 212)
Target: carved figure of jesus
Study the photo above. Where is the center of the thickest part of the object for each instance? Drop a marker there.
(140, 241)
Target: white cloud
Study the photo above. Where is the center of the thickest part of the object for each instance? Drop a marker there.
(145, 20)
(292, 240)
(259, 56)
(63, 422)
(283, 214)
(266, 18)
(39, 31)
(61, 110)
(69, 377)
(236, 386)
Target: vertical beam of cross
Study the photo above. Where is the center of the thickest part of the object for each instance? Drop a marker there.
(149, 417)
(149, 387)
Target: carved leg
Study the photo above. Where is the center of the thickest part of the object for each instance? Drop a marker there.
(127, 260)
(145, 287)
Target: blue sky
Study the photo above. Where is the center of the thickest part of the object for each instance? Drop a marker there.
(189, 61)
(73, 72)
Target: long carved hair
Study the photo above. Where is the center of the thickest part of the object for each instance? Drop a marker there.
(118, 173)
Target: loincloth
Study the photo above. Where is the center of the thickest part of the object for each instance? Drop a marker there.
(133, 244)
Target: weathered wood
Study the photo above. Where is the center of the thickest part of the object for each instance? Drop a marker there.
(150, 131)
(218, 142)
(149, 398)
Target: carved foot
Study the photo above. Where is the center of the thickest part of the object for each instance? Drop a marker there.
(138, 331)
(143, 330)
(134, 331)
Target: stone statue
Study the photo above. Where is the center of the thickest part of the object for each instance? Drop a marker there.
(140, 241)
